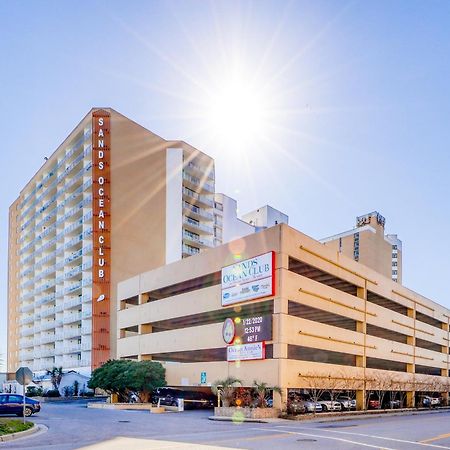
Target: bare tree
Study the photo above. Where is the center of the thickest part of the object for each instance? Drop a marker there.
(316, 385)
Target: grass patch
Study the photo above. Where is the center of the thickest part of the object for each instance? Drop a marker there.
(8, 426)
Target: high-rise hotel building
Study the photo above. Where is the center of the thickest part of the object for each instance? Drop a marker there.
(112, 201)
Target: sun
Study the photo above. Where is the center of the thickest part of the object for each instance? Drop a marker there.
(237, 111)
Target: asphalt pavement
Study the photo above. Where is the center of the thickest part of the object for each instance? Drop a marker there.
(73, 426)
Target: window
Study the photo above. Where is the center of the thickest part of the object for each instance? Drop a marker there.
(394, 263)
(394, 247)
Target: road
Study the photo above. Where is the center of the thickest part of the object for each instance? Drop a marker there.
(73, 426)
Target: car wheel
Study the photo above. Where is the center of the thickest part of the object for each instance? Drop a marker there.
(324, 408)
(174, 403)
(28, 411)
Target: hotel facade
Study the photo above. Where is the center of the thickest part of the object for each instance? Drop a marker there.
(283, 308)
(112, 201)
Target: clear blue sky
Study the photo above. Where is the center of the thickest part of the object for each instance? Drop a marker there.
(355, 99)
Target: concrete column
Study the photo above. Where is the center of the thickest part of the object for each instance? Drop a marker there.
(411, 399)
(444, 398)
(145, 328)
(143, 298)
(361, 400)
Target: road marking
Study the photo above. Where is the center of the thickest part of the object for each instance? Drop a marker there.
(421, 443)
(436, 438)
(329, 437)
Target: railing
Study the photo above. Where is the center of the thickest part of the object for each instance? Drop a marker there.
(198, 182)
(190, 250)
(198, 211)
(199, 197)
(200, 226)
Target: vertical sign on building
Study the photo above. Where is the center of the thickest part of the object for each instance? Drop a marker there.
(101, 191)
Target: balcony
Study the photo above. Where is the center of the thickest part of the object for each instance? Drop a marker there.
(48, 312)
(48, 338)
(197, 226)
(27, 308)
(197, 241)
(200, 171)
(71, 318)
(188, 250)
(25, 320)
(47, 352)
(197, 183)
(27, 331)
(196, 212)
(199, 199)
(73, 348)
(73, 332)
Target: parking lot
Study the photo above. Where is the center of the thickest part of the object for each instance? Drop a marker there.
(73, 426)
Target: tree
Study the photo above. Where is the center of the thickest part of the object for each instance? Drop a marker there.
(145, 376)
(123, 377)
(56, 375)
(261, 389)
(76, 387)
(316, 385)
(226, 388)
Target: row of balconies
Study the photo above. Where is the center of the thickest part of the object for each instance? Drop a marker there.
(86, 185)
(71, 228)
(196, 211)
(66, 246)
(78, 254)
(52, 227)
(68, 155)
(59, 178)
(69, 184)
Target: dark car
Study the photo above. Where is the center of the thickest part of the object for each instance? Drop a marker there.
(192, 399)
(13, 404)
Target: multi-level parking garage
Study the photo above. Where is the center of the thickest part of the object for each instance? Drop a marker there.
(328, 321)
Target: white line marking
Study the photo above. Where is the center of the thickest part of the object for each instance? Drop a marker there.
(328, 437)
(370, 436)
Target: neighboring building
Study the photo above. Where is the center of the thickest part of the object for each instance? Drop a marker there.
(265, 217)
(367, 244)
(307, 315)
(112, 201)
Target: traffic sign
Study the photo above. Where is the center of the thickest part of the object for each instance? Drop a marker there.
(203, 378)
(24, 376)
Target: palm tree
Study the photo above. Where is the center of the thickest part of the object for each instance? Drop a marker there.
(226, 388)
(261, 388)
(56, 375)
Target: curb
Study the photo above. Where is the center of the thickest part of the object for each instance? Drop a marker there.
(242, 419)
(10, 437)
(340, 418)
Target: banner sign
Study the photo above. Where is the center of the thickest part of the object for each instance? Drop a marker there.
(246, 352)
(249, 279)
(101, 220)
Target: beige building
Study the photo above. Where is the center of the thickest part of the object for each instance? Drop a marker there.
(368, 244)
(305, 315)
(113, 200)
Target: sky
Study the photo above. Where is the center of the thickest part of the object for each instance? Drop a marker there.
(323, 109)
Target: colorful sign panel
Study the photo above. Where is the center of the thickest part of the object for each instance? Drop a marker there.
(249, 279)
(246, 352)
(101, 206)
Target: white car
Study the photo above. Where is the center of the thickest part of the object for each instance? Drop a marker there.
(328, 405)
(347, 402)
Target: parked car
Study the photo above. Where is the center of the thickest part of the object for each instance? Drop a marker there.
(429, 402)
(328, 405)
(300, 406)
(346, 402)
(13, 404)
(192, 399)
(373, 402)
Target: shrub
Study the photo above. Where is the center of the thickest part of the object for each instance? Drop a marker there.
(68, 391)
(52, 393)
(33, 391)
